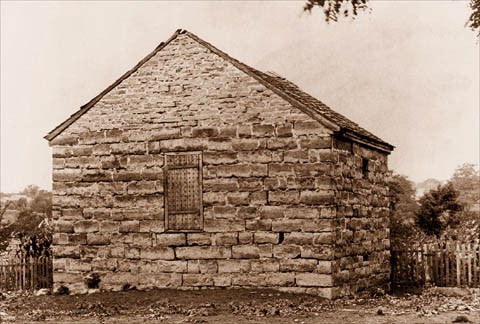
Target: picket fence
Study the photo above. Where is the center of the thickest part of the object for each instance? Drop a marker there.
(446, 264)
(26, 273)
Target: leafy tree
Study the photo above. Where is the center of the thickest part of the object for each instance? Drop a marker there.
(333, 9)
(30, 227)
(466, 180)
(474, 19)
(403, 208)
(438, 210)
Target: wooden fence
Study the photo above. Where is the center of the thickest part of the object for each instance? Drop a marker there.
(446, 264)
(26, 273)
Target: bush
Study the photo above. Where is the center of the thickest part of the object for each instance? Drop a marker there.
(438, 210)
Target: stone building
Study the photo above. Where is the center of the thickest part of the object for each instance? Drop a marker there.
(196, 170)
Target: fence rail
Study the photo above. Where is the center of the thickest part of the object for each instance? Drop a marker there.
(26, 273)
(446, 264)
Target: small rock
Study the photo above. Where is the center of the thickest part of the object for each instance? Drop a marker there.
(380, 312)
(42, 292)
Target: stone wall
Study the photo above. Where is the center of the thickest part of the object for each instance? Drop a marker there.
(278, 198)
(362, 245)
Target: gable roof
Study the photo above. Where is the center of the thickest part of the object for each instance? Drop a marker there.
(287, 90)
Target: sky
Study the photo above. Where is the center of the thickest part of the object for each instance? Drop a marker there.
(408, 71)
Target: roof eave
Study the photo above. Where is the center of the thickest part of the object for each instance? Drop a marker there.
(380, 146)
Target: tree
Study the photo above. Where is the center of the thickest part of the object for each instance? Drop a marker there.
(31, 226)
(333, 9)
(466, 180)
(438, 210)
(402, 209)
(474, 19)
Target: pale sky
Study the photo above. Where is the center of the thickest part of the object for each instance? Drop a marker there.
(408, 71)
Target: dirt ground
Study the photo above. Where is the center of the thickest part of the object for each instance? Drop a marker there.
(239, 306)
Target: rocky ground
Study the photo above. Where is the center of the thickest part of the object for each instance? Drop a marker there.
(434, 305)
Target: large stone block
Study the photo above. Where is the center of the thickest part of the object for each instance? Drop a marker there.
(287, 225)
(202, 266)
(98, 239)
(233, 266)
(254, 157)
(76, 265)
(246, 212)
(284, 130)
(321, 142)
(264, 266)
(286, 251)
(199, 239)
(203, 252)
(320, 252)
(66, 251)
(223, 225)
(262, 130)
(131, 252)
(267, 212)
(220, 184)
(160, 266)
(280, 279)
(296, 156)
(248, 144)
(222, 280)
(160, 280)
(226, 239)
(86, 226)
(277, 143)
(283, 197)
(245, 252)
(302, 212)
(219, 158)
(280, 170)
(318, 225)
(60, 239)
(298, 265)
(62, 226)
(258, 225)
(129, 226)
(313, 280)
(299, 238)
(245, 238)
(238, 198)
(317, 197)
(266, 237)
(109, 226)
(157, 253)
(324, 267)
(194, 280)
(152, 226)
(171, 239)
(66, 175)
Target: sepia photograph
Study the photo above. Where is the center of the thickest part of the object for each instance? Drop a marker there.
(291, 162)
